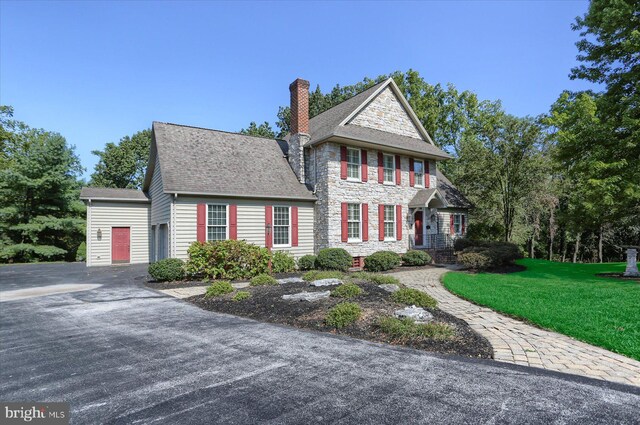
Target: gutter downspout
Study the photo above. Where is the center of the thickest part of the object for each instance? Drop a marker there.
(173, 226)
(88, 230)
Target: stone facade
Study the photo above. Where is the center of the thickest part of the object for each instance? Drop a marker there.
(386, 113)
(296, 154)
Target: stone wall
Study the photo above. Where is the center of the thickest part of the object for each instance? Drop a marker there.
(386, 113)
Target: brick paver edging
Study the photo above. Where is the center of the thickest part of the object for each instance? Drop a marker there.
(516, 342)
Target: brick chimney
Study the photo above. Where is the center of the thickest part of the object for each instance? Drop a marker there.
(299, 126)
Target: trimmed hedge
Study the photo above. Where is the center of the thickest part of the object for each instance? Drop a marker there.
(227, 260)
(282, 262)
(343, 314)
(168, 269)
(307, 262)
(334, 259)
(416, 258)
(381, 261)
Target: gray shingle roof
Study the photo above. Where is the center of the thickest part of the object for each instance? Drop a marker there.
(210, 162)
(102, 193)
(452, 196)
(327, 124)
(421, 198)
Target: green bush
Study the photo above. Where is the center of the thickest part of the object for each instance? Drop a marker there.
(218, 288)
(416, 258)
(263, 279)
(460, 244)
(381, 261)
(410, 296)
(405, 329)
(326, 274)
(81, 252)
(334, 259)
(347, 290)
(475, 260)
(343, 314)
(307, 262)
(169, 269)
(485, 255)
(241, 295)
(378, 279)
(230, 259)
(282, 262)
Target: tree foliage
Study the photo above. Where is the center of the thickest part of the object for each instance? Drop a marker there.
(262, 130)
(123, 165)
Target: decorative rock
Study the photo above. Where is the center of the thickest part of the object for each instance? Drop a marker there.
(389, 287)
(290, 280)
(307, 296)
(632, 267)
(418, 314)
(326, 282)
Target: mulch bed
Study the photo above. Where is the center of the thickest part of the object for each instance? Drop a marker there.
(189, 283)
(619, 276)
(266, 304)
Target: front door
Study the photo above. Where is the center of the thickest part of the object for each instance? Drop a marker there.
(120, 244)
(418, 228)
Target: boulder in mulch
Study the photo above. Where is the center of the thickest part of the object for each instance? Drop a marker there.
(307, 296)
(418, 314)
(389, 287)
(290, 280)
(326, 282)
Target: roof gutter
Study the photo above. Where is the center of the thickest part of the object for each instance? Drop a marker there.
(237, 195)
(115, 199)
(379, 145)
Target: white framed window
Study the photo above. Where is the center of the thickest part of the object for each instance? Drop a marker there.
(457, 224)
(353, 164)
(281, 226)
(354, 222)
(217, 222)
(389, 222)
(418, 172)
(388, 165)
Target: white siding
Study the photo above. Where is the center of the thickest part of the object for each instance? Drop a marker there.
(160, 201)
(251, 223)
(104, 216)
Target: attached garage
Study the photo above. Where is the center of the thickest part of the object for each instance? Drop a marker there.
(117, 226)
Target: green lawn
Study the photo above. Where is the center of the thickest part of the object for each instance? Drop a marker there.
(567, 298)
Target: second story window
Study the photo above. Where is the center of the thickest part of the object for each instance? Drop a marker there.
(353, 164)
(281, 226)
(353, 222)
(389, 168)
(216, 222)
(418, 170)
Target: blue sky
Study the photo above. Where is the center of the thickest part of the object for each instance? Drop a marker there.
(96, 71)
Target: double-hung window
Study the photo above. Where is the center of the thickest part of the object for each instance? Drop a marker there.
(354, 223)
(389, 222)
(457, 224)
(353, 164)
(281, 226)
(217, 222)
(418, 172)
(388, 168)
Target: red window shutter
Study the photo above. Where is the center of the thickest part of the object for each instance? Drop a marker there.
(380, 167)
(201, 222)
(343, 162)
(345, 229)
(365, 166)
(399, 222)
(412, 176)
(398, 178)
(365, 222)
(427, 179)
(451, 229)
(268, 226)
(294, 226)
(463, 227)
(381, 222)
(233, 222)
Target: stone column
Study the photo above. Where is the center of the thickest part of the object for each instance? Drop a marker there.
(632, 267)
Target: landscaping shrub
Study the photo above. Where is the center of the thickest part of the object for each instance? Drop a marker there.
(416, 258)
(334, 259)
(262, 280)
(347, 290)
(227, 260)
(218, 288)
(411, 296)
(378, 279)
(307, 262)
(402, 330)
(81, 252)
(485, 255)
(460, 244)
(326, 274)
(381, 261)
(241, 295)
(282, 262)
(168, 269)
(343, 314)
(476, 260)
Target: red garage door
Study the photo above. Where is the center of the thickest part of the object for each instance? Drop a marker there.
(120, 246)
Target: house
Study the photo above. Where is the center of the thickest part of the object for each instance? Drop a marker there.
(362, 176)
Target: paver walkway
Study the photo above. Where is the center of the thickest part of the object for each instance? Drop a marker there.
(516, 342)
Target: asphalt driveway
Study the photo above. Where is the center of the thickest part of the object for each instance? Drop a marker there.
(121, 353)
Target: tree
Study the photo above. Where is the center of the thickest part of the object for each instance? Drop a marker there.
(41, 217)
(262, 130)
(123, 165)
